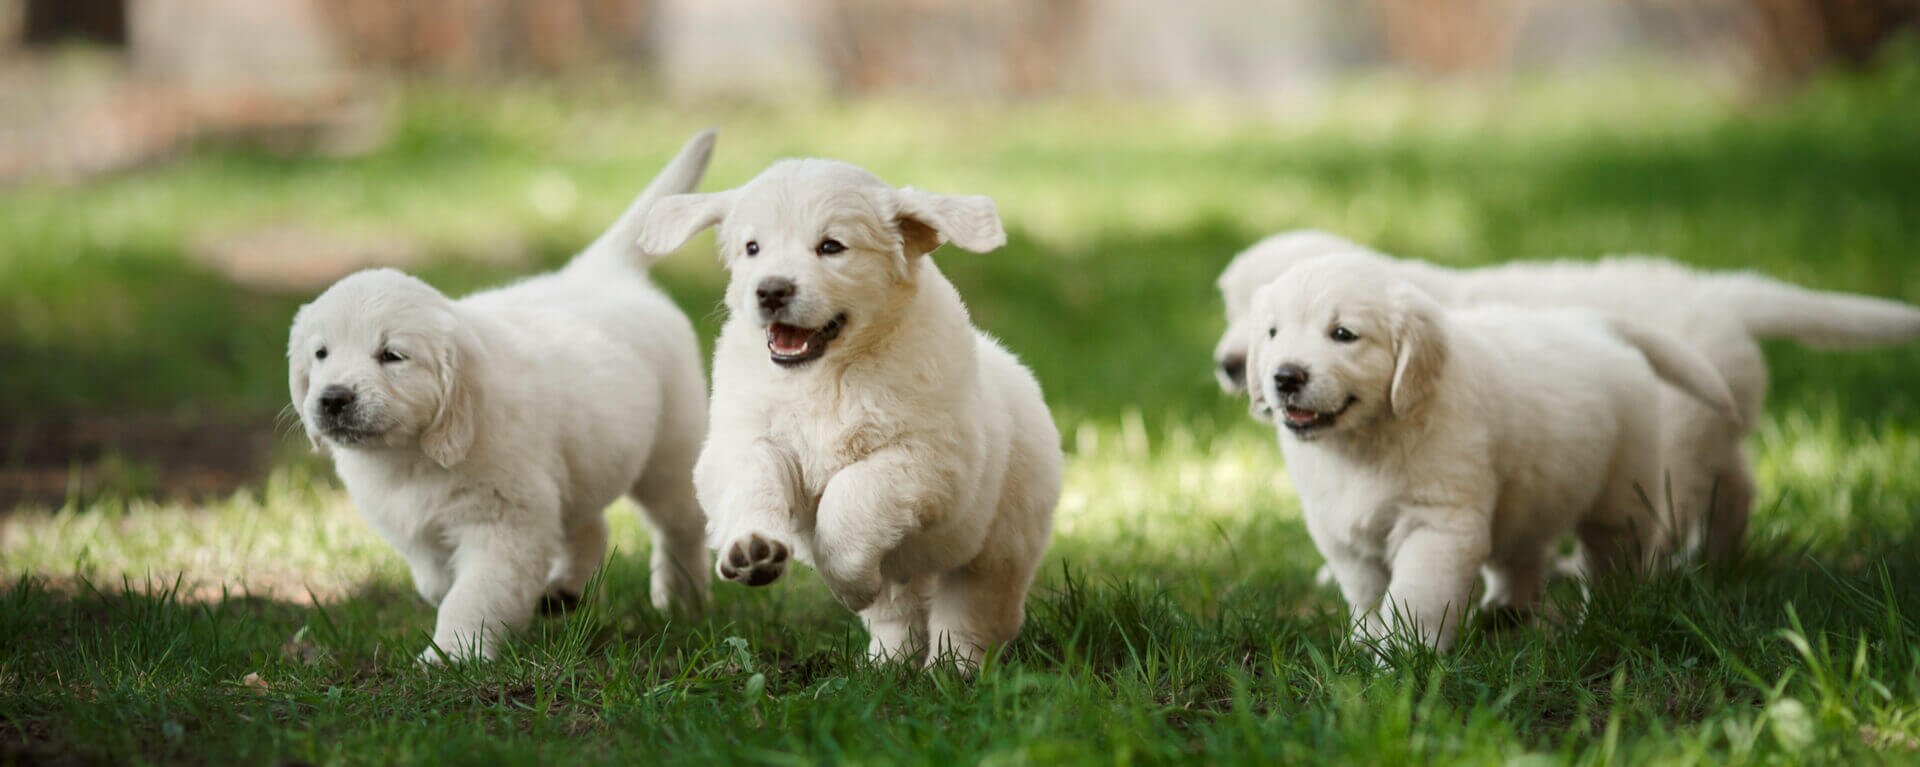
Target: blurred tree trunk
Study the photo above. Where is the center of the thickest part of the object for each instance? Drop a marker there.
(1445, 37)
(51, 22)
(1783, 42)
(1018, 47)
(491, 36)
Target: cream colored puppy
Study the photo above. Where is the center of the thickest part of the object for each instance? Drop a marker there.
(1427, 444)
(1721, 315)
(485, 436)
(860, 423)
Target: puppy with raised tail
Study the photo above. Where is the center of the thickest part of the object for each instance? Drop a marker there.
(860, 423)
(1427, 443)
(1721, 314)
(484, 437)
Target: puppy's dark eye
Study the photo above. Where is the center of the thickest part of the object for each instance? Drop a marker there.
(1341, 334)
(830, 247)
(753, 248)
(321, 353)
(1271, 332)
(389, 356)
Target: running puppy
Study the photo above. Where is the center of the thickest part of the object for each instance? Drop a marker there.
(1721, 315)
(485, 437)
(1427, 444)
(860, 423)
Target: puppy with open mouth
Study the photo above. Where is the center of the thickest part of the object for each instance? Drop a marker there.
(1723, 315)
(484, 437)
(860, 423)
(1427, 444)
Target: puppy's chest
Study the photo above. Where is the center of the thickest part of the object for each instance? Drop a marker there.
(823, 446)
(1353, 506)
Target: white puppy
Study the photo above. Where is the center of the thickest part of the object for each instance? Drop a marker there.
(1427, 444)
(1720, 315)
(860, 423)
(485, 437)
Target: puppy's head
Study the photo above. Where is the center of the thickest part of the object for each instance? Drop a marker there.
(821, 252)
(1337, 344)
(1252, 268)
(381, 361)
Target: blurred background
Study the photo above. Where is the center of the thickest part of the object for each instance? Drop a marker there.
(177, 176)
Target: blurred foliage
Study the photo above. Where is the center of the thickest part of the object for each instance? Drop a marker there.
(1120, 215)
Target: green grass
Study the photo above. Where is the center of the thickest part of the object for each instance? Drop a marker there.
(1176, 618)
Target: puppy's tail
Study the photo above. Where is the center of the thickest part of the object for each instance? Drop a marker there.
(682, 175)
(1680, 365)
(1770, 308)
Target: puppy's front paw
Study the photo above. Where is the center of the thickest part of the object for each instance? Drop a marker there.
(753, 560)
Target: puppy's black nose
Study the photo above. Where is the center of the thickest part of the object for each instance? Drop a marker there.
(774, 293)
(1290, 378)
(1234, 367)
(335, 399)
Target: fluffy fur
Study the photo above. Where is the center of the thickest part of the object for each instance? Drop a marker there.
(860, 423)
(1722, 315)
(1427, 444)
(485, 437)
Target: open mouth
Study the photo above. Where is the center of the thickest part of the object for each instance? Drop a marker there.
(1300, 420)
(792, 345)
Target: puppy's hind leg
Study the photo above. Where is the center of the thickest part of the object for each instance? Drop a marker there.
(1732, 506)
(897, 621)
(586, 546)
(679, 562)
(1514, 585)
(976, 609)
(1628, 527)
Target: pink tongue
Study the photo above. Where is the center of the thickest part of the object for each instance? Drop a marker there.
(1297, 415)
(787, 339)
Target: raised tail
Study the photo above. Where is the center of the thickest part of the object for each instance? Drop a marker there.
(1769, 308)
(1680, 365)
(682, 175)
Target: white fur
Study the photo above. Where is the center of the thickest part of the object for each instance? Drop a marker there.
(1463, 438)
(516, 416)
(914, 463)
(1720, 315)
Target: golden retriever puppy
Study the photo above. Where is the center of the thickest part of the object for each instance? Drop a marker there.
(1721, 315)
(484, 437)
(860, 423)
(1427, 443)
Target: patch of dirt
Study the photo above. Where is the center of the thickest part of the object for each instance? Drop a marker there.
(46, 460)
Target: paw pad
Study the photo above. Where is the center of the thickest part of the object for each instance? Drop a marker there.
(754, 560)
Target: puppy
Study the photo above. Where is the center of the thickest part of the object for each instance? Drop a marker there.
(484, 437)
(1427, 444)
(860, 423)
(1720, 315)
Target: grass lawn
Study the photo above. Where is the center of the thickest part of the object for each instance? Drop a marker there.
(1176, 619)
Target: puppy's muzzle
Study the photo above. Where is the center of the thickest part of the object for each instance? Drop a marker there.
(1290, 378)
(334, 402)
(773, 294)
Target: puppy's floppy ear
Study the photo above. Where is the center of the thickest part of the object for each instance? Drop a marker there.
(673, 220)
(1419, 348)
(300, 377)
(969, 221)
(450, 436)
